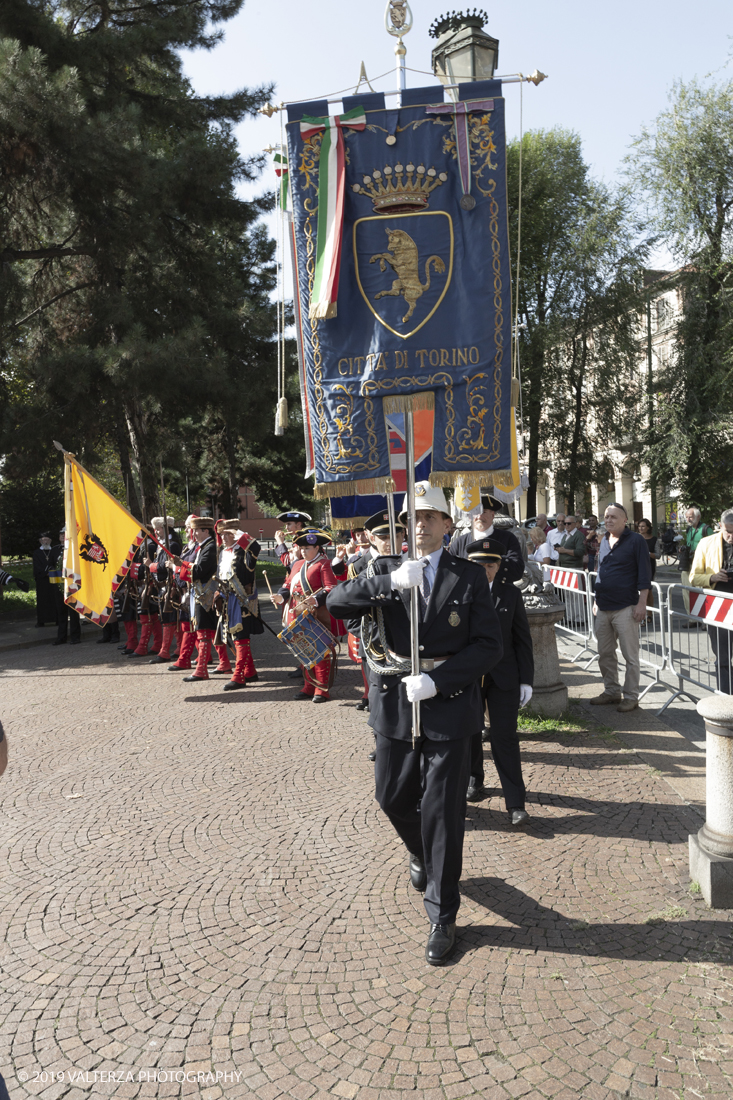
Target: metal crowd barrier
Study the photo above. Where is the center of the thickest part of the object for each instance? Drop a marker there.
(700, 641)
(572, 589)
(696, 646)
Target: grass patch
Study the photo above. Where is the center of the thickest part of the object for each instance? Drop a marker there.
(579, 925)
(672, 912)
(13, 603)
(695, 888)
(570, 721)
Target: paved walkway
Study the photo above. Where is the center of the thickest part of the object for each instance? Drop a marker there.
(200, 897)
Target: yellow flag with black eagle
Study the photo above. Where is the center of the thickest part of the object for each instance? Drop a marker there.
(101, 540)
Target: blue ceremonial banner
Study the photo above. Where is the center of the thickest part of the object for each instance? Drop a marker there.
(422, 297)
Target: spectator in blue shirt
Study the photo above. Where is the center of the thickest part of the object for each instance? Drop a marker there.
(624, 578)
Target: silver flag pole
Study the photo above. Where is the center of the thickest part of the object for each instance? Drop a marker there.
(412, 552)
(392, 524)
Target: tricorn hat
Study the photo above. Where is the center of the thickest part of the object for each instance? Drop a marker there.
(378, 524)
(427, 499)
(311, 537)
(488, 550)
(490, 503)
(295, 517)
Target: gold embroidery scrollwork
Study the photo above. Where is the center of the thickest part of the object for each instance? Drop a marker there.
(481, 141)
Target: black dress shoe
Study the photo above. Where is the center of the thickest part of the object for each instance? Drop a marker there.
(418, 874)
(75, 641)
(59, 641)
(234, 684)
(441, 942)
(373, 755)
(194, 679)
(158, 660)
(251, 679)
(296, 674)
(176, 668)
(321, 699)
(485, 734)
(304, 698)
(518, 817)
(476, 791)
(363, 704)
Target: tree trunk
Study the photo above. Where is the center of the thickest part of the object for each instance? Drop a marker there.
(133, 502)
(232, 472)
(146, 468)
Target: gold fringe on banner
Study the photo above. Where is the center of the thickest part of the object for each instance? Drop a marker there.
(381, 485)
(446, 479)
(403, 402)
(347, 523)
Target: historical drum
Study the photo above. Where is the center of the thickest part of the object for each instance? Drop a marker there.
(308, 640)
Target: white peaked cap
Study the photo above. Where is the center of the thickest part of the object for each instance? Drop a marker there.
(427, 498)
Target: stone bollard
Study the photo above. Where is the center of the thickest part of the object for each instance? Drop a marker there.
(549, 694)
(711, 850)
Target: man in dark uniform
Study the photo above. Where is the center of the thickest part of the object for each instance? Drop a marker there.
(482, 527)
(459, 640)
(165, 582)
(506, 687)
(69, 623)
(44, 560)
(201, 574)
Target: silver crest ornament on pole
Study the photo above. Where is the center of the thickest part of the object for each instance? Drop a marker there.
(397, 22)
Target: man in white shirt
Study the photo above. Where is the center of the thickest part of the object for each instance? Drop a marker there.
(557, 534)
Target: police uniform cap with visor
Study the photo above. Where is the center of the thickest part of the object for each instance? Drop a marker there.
(378, 524)
(485, 550)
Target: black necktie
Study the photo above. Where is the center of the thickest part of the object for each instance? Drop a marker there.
(424, 593)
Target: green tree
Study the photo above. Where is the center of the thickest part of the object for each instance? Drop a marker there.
(682, 167)
(578, 294)
(136, 281)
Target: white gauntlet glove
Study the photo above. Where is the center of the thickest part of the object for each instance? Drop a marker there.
(525, 694)
(419, 687)
(409, 574)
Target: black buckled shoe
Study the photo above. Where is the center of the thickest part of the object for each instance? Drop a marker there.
(363, 704)
(418, 874)
(234, 684)
(518, 817)
(441, 943)
(195, 679)
(373, 755)
(252, 679)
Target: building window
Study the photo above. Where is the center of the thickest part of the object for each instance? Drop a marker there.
(663, 312)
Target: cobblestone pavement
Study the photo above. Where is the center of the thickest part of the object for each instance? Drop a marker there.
(198, 884)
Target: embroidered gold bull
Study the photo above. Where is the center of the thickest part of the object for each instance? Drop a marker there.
(404, 259)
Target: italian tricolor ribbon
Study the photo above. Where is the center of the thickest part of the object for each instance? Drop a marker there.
(281, 171)
(461, 111)
(331, 187)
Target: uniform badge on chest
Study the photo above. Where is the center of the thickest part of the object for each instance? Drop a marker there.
(454, 618)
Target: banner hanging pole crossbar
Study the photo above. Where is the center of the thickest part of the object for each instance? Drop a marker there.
(515, 78)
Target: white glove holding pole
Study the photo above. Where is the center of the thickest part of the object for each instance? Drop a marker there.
(419, 687)
(409, 574)
(525, 694)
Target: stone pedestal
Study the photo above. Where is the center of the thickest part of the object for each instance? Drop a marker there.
(711, 850)
(549, 695)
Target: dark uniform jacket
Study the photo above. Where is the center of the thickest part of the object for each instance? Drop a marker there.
(512, 567)
(512, 564)
(517, 664)
(203, 570)
(244, 562)
(460, 624)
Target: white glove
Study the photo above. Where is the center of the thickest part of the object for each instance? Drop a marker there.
(525, 694)
(419, 687)
(409, 574)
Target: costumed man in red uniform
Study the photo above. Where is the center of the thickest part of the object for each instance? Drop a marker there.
(186, 633)
(307, 585)
(236, 581)
(159, 571)
(294, 522)
(201, 575)
(148, 602)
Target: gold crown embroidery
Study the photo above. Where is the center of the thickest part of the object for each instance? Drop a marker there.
(400, 188)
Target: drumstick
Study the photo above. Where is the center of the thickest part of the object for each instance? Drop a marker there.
(267, 582)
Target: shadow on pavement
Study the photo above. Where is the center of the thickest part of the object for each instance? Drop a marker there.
(540, 928)
(4, 1095)
(653, 820)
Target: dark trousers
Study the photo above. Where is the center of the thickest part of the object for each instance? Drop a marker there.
(504, 739)
(435, 774)
(69, 623)
(721, 643)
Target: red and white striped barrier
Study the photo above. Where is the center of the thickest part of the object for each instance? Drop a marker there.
(567, 578)
(712, 609)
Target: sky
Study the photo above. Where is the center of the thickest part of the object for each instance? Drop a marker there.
(610, 66)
